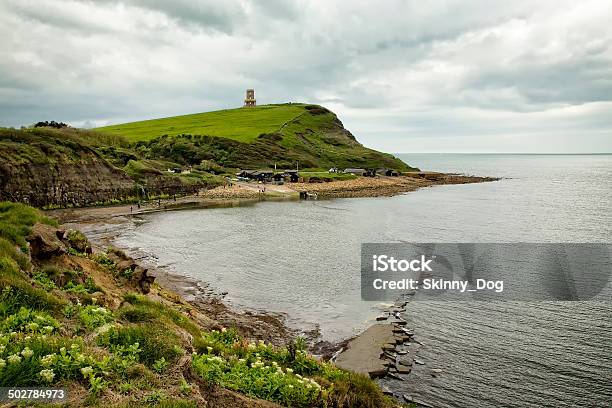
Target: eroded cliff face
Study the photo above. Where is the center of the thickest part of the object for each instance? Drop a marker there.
(45, 168)
(86, 182)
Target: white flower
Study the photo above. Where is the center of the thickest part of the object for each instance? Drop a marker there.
(2, 363)
(13, 359)
(290, 385)
(27, 352)
(86, 371)
(289, 370)
(210, 349)
(47, 360)
(2, 347)
(223, 330)
(47, 375)
(242, 360)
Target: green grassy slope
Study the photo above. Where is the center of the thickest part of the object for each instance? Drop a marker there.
(243, 125)
(254, 137)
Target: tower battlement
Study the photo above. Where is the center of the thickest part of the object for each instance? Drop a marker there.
(250, 101)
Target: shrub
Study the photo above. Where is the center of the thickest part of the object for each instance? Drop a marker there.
(136, 314)
(155, 341)
(77, 240)
(93, 316)
(17, 293)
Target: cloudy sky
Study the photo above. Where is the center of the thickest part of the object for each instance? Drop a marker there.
(404, 76)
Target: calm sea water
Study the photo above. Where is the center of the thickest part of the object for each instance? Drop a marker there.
(302, 259)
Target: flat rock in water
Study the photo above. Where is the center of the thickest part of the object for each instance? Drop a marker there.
(419, 362)
(380, 318)
(363, 352)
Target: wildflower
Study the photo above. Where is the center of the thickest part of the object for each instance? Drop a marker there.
(48, 329)
(2, 363)
(27, 352)
(47, 360)
(2, 347)
(241, 360)
(94, 300)
(223, 330)
(13, 359)
(262, 343)
(47, 375)
(74, 346)
(210, 349)
(27, 338)
(289, 370)
(290, 385)
(86, 371)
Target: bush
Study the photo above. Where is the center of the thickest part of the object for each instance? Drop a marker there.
(77, 240)
(156, 342)
(136, 314)
(17, 293)
(92, 316)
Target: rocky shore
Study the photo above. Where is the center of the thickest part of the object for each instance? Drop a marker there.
(385, 186)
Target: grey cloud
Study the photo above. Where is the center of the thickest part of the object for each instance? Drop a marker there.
(389, 69)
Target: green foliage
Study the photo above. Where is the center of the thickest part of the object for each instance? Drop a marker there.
(43, 280)
(287, 375)
(155, 341)
(137, 314)
(17, 293)
(160, 365)
(244, 125)
(77, 240)
(92, 316)
(16, 221)
(161, 311)
(10, 250)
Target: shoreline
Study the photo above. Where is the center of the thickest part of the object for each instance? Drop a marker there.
(386, 349)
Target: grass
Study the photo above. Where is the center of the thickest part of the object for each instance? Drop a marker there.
(131, 354)
(243, 125)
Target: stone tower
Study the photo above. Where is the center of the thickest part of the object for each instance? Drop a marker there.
(250, 101)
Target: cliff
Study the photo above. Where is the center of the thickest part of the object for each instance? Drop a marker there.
(49, 167)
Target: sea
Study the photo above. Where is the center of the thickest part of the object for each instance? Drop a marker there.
(301, 259)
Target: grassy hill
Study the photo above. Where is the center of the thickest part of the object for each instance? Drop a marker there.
(254, 137)
(243, 125)
(47, 167)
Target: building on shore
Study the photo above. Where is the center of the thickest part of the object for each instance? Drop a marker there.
(249, 100)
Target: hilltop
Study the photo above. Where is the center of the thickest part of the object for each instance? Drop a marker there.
(257, 137)
(50, 166)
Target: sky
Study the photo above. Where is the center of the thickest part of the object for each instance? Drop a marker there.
(403, 76)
